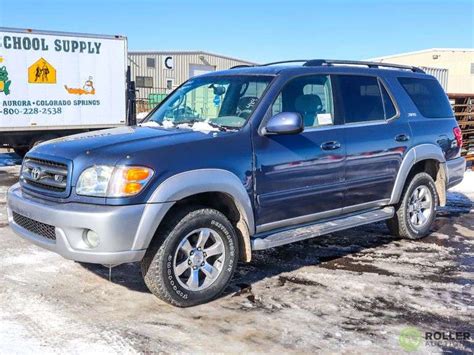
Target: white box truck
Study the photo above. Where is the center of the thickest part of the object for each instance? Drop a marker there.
(54, 84)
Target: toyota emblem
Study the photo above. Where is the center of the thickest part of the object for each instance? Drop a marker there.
(36, 173)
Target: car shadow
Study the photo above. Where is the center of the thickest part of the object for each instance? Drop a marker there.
(326, 251)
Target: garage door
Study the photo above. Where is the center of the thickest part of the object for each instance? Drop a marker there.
(198, 69)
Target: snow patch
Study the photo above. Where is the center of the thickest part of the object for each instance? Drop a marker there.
(466, 187)
(142, 115)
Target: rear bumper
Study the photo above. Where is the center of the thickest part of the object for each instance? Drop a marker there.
(115, 225)
(455, 169)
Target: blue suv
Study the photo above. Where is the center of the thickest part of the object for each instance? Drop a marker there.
(241, 160)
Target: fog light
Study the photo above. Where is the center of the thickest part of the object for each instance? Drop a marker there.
(91, 238)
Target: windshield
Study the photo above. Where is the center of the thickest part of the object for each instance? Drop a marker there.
(211, 103)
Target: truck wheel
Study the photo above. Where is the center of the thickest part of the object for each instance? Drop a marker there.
(193, 259)
(416, 211)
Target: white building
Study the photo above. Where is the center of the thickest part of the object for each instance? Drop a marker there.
(157, 73)
(458, 62)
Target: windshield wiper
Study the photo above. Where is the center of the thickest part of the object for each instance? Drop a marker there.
(215, 125)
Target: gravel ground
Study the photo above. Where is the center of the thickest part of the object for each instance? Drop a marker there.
(351, 292)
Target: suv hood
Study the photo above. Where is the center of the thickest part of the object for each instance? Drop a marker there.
(117, 142)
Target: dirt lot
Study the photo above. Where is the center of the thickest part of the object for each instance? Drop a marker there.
(352, 291)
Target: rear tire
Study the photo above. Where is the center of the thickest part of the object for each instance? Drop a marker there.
(415, 213)
(192, 260)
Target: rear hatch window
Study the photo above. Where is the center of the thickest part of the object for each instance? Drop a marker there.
(428, 97)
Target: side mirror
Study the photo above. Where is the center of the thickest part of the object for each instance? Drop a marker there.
(284, 123)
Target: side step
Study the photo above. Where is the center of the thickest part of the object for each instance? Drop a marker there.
(321, 228)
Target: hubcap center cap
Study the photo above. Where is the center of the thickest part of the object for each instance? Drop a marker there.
(197, 258)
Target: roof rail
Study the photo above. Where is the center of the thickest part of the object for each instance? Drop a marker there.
(284, 61)
(268, 64)
(321, 62)
(329, 62)
(242, 66)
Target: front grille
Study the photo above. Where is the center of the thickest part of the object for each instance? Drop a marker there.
(42, 229)
(45, 174)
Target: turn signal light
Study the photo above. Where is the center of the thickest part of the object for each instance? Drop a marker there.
(132, 188)
(128, 180)
(137, 174)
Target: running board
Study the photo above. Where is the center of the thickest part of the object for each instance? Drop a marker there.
(321, 228)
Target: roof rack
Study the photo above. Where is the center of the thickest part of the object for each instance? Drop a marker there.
(329, 62)
(284, 61)
(242, 66)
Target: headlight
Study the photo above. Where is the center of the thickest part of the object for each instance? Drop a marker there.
(108, 181)
(94, 181)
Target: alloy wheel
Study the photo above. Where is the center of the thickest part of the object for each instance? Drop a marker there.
(420, 207)
(199, 259)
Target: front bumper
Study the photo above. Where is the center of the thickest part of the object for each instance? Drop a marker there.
(455, 171)
(116, 226)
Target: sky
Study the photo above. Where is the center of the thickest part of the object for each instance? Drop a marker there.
(259, 30)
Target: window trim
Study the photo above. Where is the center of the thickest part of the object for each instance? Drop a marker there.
(269, 112)
(144, 86)
(154, 63)
(392, 98)
(172, 83)
(380, 80)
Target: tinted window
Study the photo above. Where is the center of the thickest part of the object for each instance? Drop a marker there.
(428, 97)
(311, 97)
(361, 98)
(390, 110)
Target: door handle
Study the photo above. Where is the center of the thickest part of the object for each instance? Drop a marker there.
(332, 145)
(402, 138)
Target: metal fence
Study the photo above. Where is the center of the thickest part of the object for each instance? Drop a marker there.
(148, 98)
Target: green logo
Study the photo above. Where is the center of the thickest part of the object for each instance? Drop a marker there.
(410, 339)
(4, 82)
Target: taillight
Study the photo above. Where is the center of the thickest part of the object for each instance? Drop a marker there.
(458, 135)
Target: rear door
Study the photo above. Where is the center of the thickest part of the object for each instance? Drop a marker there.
(300, 177)
(376, 139)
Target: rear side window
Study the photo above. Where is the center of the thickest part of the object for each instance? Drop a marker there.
(364, 99)
(428, 97)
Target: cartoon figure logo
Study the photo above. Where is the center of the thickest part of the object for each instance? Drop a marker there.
(41, 72)
(4, 82)
(87, 88)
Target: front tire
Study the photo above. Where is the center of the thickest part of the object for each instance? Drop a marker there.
(193, 259)
(416, 211)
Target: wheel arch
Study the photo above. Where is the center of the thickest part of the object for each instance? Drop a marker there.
(424, 157)
(215, 188)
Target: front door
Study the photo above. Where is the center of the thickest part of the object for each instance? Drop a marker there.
(300, 177)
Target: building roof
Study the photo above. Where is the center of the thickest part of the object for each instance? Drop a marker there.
(188, 53)
(424, 51)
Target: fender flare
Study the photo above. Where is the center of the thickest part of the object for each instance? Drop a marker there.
(413, 156)
(182, 185)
